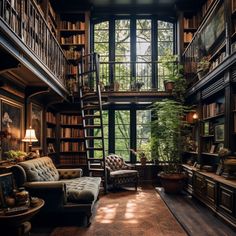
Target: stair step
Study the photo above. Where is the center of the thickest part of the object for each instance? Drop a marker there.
(91, 117)
(89, 95)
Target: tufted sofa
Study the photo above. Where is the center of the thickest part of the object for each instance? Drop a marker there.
(64, 190)
(120, 173)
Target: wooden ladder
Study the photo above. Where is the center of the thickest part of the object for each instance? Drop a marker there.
(91, 110)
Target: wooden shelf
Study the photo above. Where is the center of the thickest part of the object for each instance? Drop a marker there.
(72, 31)
(207, 136)
(72, 152)
(72, 125)
(191, 152)
(213, 117)
(73, 138)
(209, 154)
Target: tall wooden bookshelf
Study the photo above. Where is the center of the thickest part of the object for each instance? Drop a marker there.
(71, 139)
(74, 39)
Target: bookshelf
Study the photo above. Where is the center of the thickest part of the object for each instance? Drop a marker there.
(74, 40)
(71, 141)
(51, 134)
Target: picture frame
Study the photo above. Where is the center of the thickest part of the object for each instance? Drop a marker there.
(219, 133)
(6, 188)
(11, 125)
(36, 117)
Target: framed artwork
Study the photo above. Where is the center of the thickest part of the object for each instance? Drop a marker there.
(11, 125)
(219, 133)
(6, 188)
(37, 125)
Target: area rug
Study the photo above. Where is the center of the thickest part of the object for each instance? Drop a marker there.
(128, 213)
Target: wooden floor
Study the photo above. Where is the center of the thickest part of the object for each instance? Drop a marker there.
(196, 219)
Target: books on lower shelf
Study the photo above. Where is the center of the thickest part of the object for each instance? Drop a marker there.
(73, 39)
(50, 132)
(71, 133)
(71, 146)
(69, 25)
(70, 119)
(212, 109)
(72, 159)
(50, 117)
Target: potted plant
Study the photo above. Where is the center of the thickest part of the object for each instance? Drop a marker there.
(174, 80)
(167, 142)
(143, 153)
(203, 67)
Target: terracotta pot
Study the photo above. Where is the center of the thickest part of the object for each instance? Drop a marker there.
(172, 183)
(143, 160)
(169, 86)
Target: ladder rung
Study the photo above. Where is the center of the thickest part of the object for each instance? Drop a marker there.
(93, 137)
(92, 126)
(94, 148)
(96, 169)
(91, 116)
(94, 159)
(91, 107)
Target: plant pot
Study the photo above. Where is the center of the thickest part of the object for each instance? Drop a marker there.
(169, 86)
(143, 160)
(172, 183)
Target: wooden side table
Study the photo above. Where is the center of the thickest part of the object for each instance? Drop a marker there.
(18, 224)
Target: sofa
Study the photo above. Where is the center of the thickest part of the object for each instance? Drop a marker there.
(63, 190)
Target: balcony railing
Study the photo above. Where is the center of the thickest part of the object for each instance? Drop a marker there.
(28, 23)
(132, 76)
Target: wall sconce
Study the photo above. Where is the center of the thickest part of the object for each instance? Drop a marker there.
(30, 137)
(195, 116)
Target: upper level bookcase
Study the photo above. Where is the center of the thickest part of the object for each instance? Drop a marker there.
(209, 40)
(74, 39)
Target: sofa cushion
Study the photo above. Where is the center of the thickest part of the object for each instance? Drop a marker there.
(83, 189)
(40, 169)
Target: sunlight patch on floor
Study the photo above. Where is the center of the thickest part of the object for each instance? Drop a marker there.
(106, 215)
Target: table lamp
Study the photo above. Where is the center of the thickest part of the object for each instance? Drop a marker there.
(30, 137)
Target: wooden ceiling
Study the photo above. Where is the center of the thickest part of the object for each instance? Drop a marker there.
(160, 7)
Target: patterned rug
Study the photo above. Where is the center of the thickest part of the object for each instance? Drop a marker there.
(127, 213)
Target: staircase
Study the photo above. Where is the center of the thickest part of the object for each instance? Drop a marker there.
(91, 110)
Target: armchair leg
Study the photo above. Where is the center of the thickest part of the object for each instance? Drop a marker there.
(88, 219)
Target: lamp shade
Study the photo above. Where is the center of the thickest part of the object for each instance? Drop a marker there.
(30, 136)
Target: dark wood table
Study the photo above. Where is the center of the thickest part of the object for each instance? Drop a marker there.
(18, 224)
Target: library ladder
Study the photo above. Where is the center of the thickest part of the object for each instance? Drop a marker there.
(91, 110)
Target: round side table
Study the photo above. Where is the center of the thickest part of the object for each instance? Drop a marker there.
(18, 224)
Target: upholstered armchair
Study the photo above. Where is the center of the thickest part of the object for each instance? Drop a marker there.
(120, 173)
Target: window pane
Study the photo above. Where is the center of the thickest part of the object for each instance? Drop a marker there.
(165, 43)
(101, 46)
(122, 133)
(144, 131)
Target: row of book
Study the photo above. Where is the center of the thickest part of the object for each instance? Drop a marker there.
(190, 22)
(218, 60)
(212, 109)
(73, 39)
(72, 69)
(188, 36)
(71, 132)
(70, 119)
(72, 159)
(68, 25)
(50, 117)
(71, 146)
(72, 54)
(50, 133)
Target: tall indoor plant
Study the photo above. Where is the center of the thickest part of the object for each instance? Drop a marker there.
(167, 135)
